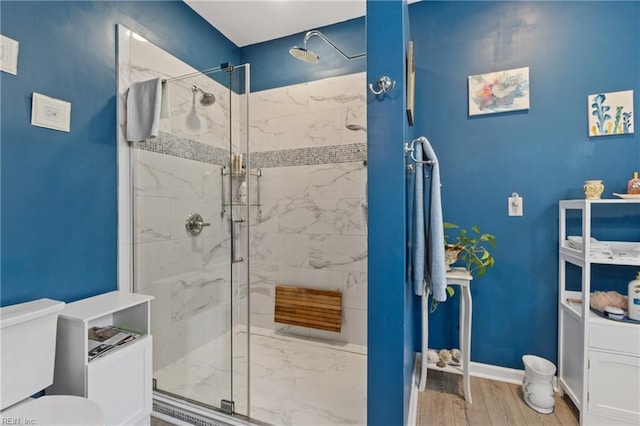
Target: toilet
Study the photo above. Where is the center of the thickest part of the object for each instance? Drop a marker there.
(27, 354)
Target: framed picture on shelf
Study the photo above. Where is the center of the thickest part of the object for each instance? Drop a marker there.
(50, 113)
(411, 83)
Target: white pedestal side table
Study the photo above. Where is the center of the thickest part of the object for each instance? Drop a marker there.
(461, 277)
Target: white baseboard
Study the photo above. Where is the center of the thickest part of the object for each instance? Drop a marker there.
(412, 417)
(494, 372)
(501, 374)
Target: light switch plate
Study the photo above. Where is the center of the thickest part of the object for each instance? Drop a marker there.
(515, 206)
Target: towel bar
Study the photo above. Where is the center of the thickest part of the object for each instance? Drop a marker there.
(410, 149)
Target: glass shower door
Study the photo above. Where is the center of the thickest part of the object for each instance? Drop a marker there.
(240, 182)
(190, 221)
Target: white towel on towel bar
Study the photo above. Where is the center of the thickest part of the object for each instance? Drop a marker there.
(144, 102)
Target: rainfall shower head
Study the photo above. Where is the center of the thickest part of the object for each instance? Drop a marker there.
(207, 98)
(306, 55)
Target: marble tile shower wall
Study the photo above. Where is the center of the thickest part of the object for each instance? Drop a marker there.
(311, 230)
(189, 276)
(176, 174)
(189, 120)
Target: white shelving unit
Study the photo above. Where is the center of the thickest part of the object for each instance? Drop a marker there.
(598, 358)
(120, 380)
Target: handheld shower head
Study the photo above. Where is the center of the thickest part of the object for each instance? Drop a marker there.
(306, 55)
(207, 98)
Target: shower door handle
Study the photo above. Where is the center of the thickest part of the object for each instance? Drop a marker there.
(234, 257)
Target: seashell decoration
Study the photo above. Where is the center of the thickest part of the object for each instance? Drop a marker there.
(445, 355)
(432, 356)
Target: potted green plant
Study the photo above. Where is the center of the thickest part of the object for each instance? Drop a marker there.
(473, 248)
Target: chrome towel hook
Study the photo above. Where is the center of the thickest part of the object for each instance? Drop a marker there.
(385, 85)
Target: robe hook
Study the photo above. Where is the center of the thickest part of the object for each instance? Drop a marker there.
(385, 85)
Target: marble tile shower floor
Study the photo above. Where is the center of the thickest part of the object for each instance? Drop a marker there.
(293, 381)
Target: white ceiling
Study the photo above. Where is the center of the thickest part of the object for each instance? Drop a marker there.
(246, 22)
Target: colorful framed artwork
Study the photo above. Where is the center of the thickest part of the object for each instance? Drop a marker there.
(411, 83)
(610, 113)
(9, 55)
(50, 113)
(500, 91)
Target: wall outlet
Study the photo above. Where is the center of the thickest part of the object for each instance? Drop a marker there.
(515, 205)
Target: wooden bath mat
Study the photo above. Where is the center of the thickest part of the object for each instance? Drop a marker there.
(307, 307)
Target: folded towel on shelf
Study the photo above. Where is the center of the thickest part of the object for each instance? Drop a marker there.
(606, 250)
(143, 110)
(595, 246)
(626, 254)
(577, 241)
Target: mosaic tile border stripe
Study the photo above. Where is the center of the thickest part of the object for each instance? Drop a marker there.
(178, 146)
(329, 154)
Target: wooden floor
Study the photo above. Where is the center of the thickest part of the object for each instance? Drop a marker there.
(157, 422)
(494, 403)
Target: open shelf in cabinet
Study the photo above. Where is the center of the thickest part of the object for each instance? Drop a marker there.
(591, 349)
(119, 380)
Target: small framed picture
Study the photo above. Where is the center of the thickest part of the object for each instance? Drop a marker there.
(50, 113)
(8, 55)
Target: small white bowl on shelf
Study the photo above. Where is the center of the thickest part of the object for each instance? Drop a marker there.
(614, 313)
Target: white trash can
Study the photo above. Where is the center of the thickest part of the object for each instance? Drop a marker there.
(537, 386)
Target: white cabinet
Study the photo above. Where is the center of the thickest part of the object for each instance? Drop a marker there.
(598, 358)
(120, 380)
(610, 397)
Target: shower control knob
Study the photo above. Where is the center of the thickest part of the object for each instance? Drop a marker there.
(194, 224)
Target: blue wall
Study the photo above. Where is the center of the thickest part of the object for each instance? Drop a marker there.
(573, 49)
(391, 328)
(273, 66)
(59, 212)
(58, 190)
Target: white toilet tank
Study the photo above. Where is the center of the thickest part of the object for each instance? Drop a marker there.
(28, 348)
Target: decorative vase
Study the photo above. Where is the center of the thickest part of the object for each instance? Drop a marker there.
(593, 189)
(633, 186)
(537, 387)
(451, 252)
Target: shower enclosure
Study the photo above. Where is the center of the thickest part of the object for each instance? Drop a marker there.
(223, 210)
(191, 218)
(192, 194)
